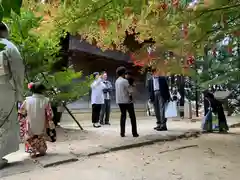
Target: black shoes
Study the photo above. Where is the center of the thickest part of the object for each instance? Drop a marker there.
(134, 135)
(107, 123)
(161, 128)
(3, 163)
(122, 135)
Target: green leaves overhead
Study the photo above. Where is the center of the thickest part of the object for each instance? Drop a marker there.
(38, 51)
(173, 25)
(7, 6)
(107, 20)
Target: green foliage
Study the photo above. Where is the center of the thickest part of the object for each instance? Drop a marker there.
(8, 6)
(107, 20)
(209, 22)
(40, 53)
(68, 84)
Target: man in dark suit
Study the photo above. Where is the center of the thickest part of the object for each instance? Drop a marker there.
(159, 95)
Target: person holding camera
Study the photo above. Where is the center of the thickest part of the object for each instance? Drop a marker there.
(97, 98)
(124, 102)
(106, 107)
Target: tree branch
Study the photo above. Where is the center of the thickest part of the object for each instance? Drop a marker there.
(215, 30)
(220, 8)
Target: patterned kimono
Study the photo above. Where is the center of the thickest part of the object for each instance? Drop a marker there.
(35, 117)
(11, 91)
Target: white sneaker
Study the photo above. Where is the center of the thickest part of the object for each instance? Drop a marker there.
(96, 125)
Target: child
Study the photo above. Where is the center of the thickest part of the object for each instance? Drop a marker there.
(130, 79)
(35, 116)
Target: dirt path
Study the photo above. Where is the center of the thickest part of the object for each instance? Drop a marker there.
(210, 157)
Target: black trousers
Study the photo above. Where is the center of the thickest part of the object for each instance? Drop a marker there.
(96, 108)
(105, 111)
(159, 108)
(124, 108)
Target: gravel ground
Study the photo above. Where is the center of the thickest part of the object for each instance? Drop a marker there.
(210, 157)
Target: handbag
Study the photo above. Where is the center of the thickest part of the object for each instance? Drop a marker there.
(171, 109)
(215, 122)
(210, 121)
(207, 121)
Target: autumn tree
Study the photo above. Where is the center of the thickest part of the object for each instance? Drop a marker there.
(160, 33)
(178, 29)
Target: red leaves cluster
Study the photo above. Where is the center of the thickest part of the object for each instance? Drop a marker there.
(103, 24)
(164, 6)
(190, 60)
(141, 62)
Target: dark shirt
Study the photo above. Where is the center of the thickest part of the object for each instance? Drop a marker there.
(131, 81)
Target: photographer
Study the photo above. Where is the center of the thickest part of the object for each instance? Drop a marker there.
(97, 98)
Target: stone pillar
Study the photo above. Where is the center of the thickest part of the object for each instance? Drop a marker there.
(188, 110)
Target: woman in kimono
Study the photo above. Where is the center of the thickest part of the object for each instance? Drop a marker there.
(217, 108)
(11, 91)
(35, 115)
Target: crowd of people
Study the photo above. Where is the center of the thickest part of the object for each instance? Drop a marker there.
(159, 96)
(101, 88)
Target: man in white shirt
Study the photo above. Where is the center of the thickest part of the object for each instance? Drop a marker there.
(97, 98)
(124, 102)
